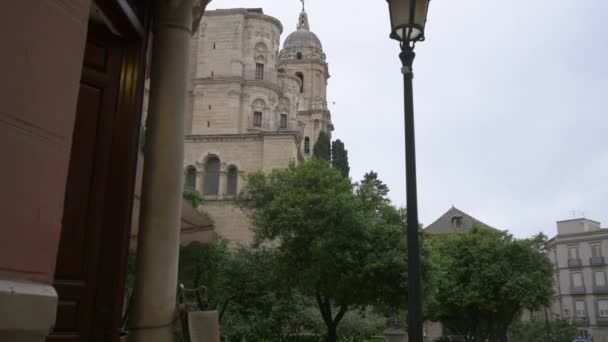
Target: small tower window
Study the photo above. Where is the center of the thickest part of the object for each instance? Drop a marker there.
(257, 119)
(231, 181)
(283, 120)
(299, 55)
(301, 77)
(307, 145)
(259, 71)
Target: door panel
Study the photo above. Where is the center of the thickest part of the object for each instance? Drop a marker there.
(82, 227)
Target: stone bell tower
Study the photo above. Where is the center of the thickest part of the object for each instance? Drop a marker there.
(303, 56)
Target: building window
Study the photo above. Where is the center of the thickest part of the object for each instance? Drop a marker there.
(212, 176)
(231, 181)
(602, 308)
(190, 177)
(457, 222)
(579, 309)
(283, 120)
(301, 77)
(259, 71)
(307, 145)
(573, 253)
(299, 55)
(577, 280)
(257, 119)
(600, 278)
(596, 251)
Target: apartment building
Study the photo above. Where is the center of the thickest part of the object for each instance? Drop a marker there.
(579, 252)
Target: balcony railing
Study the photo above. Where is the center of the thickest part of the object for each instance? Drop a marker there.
(596, 261)
(276, 126)
(574, 263)
(578, 290)
(251, 74)
(581, 321)
(601, 320)
(600, 289)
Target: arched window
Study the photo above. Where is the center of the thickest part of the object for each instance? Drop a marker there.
(232, 181)
(307, 145)
(301, 77)
(190, 177)
(212, 176)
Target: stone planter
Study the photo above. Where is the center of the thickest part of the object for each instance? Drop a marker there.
(204, 326)
(394, 334)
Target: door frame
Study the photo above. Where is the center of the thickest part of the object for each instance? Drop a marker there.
(106, 318)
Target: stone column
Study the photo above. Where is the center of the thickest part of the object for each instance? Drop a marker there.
(154, 301)
(223, 179)
(199, 179)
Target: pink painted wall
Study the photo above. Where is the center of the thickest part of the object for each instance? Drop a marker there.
(42, 44)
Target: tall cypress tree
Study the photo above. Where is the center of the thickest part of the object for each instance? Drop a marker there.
(322, 148)
(339, 157)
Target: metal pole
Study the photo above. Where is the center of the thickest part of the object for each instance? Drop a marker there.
(414, 282)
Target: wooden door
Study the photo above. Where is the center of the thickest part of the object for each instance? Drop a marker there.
(80, 247)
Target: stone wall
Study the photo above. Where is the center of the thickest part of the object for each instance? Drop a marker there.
(230, 221)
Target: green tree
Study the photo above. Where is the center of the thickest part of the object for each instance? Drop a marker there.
(203, 265)
(194, 197)
(485, 279)
(241, 285)
(537, 331)
(330, 245)
(373, 192)
(339, 157)
(322, 148)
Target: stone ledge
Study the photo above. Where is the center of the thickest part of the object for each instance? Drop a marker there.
(27, 310)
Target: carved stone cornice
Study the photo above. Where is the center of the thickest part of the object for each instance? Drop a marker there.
(240, 80)
(248, 13)
(206, 138)
(209, 138)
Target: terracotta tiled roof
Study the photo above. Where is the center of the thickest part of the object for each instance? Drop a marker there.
(454, 221)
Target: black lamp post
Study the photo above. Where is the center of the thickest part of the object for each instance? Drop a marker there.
(408, 18)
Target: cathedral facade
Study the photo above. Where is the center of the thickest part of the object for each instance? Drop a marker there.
(252, 107)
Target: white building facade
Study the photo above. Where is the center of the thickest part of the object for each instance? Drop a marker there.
(579, 253)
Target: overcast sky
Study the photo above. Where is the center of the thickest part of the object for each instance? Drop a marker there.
(511, 102)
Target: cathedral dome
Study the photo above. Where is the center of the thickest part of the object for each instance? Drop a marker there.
(303, 37)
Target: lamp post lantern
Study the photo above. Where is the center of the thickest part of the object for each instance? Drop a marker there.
(408, 18)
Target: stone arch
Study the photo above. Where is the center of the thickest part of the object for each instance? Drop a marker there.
(284, 102)
(258, 104)
(300, 75)
(260, 53)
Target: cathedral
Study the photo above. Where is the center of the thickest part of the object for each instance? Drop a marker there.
(252, 107)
